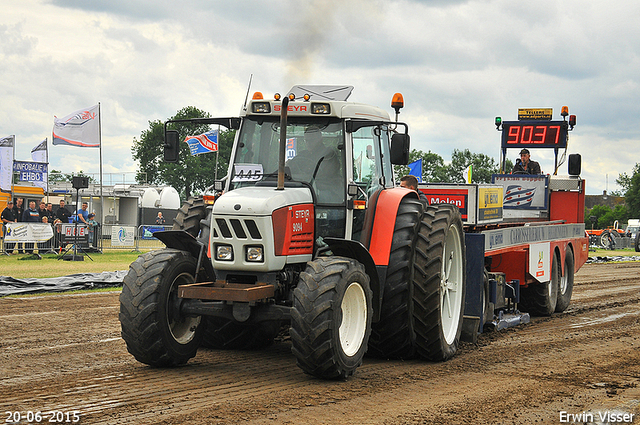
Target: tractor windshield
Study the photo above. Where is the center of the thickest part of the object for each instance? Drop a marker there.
(314, 156)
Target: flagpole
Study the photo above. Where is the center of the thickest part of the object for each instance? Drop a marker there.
(46, 145)
(12, 161)
(100, 141)
(215, 174)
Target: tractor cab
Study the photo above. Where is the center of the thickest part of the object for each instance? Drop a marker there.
(337, 152)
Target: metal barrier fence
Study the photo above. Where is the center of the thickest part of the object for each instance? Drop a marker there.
(131, 237)
(101, 238)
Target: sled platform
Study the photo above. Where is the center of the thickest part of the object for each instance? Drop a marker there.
(509, 320)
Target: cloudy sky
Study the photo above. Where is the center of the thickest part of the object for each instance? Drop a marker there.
(458, 64)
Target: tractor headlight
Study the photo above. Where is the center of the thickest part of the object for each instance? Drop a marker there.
(320, 108)
(224, 253)
(261, 107)
(255, 254)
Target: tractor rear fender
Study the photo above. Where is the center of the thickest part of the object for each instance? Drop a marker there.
(357, 251)
(385, 211)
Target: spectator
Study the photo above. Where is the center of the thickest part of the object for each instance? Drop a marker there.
(411, 182)
(63, 213)
(83, 214)
(93, 227)
(30, 215)
(51, 216)
(18, 211)
(160, 218)
(8, 217)
(42, 246)
(42, 210)
(57, 227)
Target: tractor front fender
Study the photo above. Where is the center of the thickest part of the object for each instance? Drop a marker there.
(184, 241)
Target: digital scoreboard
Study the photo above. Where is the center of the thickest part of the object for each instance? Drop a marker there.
(534, 134)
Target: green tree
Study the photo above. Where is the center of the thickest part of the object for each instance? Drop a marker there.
(483, 167)
(631, 189)
(59, 176)
(191, 174)
(432, 166)
(605, 216)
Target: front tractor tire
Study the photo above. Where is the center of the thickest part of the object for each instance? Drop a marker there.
(155, 331)
(331, 317)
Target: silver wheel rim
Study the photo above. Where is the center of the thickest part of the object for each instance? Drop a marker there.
(354, 319)
(564, 279)
(451, 285)
(182, 328)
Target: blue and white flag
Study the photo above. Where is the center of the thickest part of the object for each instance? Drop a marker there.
(80, 128)
(415, 169)
(203, 143)
(39, 153)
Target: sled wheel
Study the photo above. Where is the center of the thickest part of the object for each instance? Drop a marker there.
(439, 289)
(541, 298)
(155, 331)
(331, 317)
(565, 288)
(393, 336)
(487, 306)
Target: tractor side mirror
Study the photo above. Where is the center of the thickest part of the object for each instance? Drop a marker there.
(400, 149)
(575, 164)
(171, 146)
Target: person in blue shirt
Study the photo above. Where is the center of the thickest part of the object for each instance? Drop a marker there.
(83, 214)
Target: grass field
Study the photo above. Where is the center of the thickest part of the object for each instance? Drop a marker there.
(626, 252)
(21, 266)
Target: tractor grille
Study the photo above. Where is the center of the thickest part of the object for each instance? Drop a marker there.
(237, 228)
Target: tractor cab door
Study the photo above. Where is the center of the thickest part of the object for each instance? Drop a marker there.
(371, 171)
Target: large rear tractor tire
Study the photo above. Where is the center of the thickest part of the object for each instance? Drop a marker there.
(637, 242)
(190, 215)
(439, 284)
(331, 317)
(393, 336)
(540, 299)
(565, 288)
(155, 331)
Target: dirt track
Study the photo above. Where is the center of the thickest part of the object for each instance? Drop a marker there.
(64, 353)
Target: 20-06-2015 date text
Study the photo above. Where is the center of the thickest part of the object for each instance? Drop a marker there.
(35, 417)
